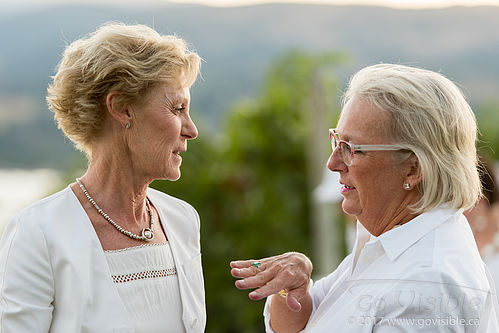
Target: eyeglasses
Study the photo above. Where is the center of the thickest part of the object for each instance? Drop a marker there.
(348, 149)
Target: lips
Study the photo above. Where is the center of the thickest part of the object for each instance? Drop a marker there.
(176, 154)
(346, 188)
(178, 151)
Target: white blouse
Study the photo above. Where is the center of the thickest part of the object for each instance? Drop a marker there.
(424, 276)
(146, 279)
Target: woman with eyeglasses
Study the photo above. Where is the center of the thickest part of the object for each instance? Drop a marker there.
(404, 148)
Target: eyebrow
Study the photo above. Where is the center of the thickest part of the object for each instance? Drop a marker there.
(343, 137)
(175, 99)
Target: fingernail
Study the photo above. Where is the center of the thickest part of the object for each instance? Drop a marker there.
(241, 283)
(254, 295)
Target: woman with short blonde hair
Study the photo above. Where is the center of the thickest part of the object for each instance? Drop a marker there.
(108, 253)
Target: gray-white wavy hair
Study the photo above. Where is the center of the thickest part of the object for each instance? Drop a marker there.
(429, 116)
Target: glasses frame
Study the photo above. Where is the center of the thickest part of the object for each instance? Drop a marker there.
(353, 148)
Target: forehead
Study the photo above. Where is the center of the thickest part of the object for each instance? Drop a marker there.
(172, 92)
(360, 120)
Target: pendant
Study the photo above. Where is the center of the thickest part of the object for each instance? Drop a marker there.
(147, 234)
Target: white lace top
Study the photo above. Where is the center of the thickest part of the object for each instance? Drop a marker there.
(146, 279)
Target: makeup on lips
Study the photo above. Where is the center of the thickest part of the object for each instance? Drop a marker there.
(346, 188)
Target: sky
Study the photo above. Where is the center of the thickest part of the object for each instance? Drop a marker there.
(416, 4)
(389, 3)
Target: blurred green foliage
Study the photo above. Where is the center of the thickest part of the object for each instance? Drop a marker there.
(249, 183)
(488, 123)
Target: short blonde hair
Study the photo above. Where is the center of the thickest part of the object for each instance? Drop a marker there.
(130, 59)
(431, 118)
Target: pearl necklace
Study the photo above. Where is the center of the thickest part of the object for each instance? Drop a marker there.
(147, 233)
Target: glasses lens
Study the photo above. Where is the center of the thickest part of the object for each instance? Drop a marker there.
(346, 153)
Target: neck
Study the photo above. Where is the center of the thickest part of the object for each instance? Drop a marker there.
(117, 187)
(390, 216)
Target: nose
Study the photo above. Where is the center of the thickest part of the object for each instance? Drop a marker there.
(335, 162)
(189, 129)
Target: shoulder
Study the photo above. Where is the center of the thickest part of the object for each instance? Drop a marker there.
(25, 242)
(166, 200)
(442, 259)
(446, 262)
(447, 247)
(456, 253)
(44, 210)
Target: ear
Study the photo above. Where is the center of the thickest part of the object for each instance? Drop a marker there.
(413, 175)
(118, 110)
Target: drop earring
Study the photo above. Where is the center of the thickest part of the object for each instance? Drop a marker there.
(127, 125)
(407, 186)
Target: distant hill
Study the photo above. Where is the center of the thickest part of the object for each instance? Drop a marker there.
(237, 45)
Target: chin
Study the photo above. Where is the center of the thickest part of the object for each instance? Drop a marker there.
(350, 208)
(173, 176)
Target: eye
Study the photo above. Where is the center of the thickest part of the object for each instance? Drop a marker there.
(346, 147)
(179, 109)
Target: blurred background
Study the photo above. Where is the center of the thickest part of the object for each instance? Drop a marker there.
(272, 79)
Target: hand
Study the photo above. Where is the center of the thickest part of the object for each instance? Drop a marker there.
(289, 272)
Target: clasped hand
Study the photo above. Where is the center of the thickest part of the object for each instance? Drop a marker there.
(287, 274)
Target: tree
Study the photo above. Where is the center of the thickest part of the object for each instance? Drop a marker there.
(488, 123)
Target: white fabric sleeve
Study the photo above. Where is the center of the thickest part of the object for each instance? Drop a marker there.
(435, 306)
(26, 278)
(266, 315)
(317, 290)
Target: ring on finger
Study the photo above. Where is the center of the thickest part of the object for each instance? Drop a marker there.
(283, 293)
(257, 265)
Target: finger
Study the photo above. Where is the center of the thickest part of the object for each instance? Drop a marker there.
(246, 263)
(259, 280)
(255, 268)
(270, 288)
(292, 302)
(286, 282)
(241, 263)
(243, 272)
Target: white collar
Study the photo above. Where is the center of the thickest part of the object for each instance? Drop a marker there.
(397, 240)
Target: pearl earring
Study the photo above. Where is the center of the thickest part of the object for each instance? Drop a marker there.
(407, 186)
(127, 125)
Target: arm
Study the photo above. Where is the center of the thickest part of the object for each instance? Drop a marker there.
(26, 283)
(289, 271)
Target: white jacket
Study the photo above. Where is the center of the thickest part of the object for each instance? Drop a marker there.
(54, 275)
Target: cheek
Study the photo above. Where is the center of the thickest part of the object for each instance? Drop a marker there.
(381, 189)
(162, 148)
(372, 186)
